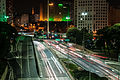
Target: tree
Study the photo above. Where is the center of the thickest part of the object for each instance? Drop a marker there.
(114, 32)
(102, 39)
(87, 37)
(7, 35)
(110, 38)
(76, 35)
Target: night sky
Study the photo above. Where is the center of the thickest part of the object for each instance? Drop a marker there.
(25, 6)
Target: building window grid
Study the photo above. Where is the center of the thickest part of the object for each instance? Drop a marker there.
(103, 14)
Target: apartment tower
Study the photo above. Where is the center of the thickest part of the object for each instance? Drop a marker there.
(91, 14)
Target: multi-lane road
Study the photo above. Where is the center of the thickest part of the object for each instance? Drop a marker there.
(43, 65)
(87, 62)
(50, 68)
(24, 65)
(34, 61)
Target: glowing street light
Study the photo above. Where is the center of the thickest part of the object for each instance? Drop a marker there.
(68, 18)
(83, 14)
(51, 4)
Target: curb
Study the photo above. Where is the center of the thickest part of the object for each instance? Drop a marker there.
(37, 61)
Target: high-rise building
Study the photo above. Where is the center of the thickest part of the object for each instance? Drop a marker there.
(9, 11)
(91, 14)
(6, 11)
(24, 19)
(114, 15)
(61, 9)
(58, 10)
(37, 17)
(17, 21)
(3, 16)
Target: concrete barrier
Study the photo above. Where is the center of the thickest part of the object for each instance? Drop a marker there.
(39, 71)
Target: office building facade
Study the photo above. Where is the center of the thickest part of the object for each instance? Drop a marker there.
(91, 14)
(114, 15)
(3, 17)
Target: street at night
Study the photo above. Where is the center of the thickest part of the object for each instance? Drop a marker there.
(59, 40)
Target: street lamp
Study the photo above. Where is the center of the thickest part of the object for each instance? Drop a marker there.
(49, 4)
(83, 14)
(67, 18)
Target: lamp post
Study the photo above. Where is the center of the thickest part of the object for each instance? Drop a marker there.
(48, 19)
(84, 14)
(48, 31)
(68, 18)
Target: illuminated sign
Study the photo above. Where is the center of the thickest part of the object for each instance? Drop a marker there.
(60, 5)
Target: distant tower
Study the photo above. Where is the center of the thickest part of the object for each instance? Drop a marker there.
(32, 17)
(41, 12)
(9, 11)
(3, 10)
(33, 11)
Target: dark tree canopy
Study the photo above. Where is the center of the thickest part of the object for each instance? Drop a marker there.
(7, 33)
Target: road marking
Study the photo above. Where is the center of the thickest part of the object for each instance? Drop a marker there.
(28, 60)
(59, 65)
(21, 60)
(56, 65)
(40, 71)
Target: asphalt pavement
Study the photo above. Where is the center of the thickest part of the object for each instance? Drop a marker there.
(50, 67)
(24, 66)
(87, 62)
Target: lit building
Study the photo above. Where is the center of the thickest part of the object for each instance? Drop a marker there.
(58, 10)
(24, 19)
(61, 9)
(37, 17)
(91, 14)
(32, 16)
(41, 13)
(3, 16)
(43, 10)
(17, 21)
(9, 11)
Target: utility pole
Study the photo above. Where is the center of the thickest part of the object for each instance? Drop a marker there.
(84, 14)
(48, 18)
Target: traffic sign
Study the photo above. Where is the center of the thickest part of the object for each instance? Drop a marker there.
(67, 39)
(57, 39)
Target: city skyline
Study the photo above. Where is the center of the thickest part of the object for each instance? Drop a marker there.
(59, 40)
(25, 6)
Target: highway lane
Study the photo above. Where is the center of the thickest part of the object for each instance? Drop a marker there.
(24, 66)
(51, 69)
(88, 62)
(28, 60)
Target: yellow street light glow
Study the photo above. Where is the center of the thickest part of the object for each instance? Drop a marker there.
(51, 4)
